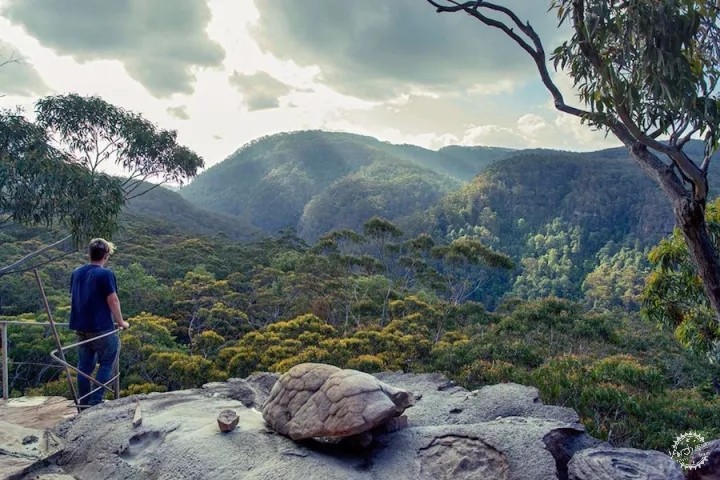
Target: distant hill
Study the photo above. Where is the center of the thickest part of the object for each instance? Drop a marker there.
(166, 211)
(316, 181)
(610, 198)
(470, 161)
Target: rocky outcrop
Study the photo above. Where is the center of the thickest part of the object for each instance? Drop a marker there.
(707, 461)
(605, 463)
(497, 432)
(314, 400)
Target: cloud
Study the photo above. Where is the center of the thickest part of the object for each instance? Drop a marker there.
(534, 131)
(380, 49)
(159, 43)
(530, 125)
(493, 135)
(17, 75)
(260, 90)
(179, 112)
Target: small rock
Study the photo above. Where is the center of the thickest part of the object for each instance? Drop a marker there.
(29, 439)
(456, 410)
(227, 420)
(446, 385)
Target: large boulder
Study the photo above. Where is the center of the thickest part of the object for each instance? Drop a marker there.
(314, 400)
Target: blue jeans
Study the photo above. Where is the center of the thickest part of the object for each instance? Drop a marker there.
(102, 351)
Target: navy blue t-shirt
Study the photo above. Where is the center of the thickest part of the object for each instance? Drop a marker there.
(90, 286)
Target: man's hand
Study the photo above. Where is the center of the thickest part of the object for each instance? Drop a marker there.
(123, 325)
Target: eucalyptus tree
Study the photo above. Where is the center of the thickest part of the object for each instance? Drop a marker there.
(647, 72)
(51, 171)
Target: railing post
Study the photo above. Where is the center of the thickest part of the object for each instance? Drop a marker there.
(116, 374)
(5, 387)
(57, 338)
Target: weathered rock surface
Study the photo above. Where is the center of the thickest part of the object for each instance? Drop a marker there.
(709, 454)
(24, 441)
(449, 404)
(499, 432)
(314, 400)
(36, 412)
(603, 463)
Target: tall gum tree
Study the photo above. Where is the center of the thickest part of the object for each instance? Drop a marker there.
(51, 171)
(647, 71)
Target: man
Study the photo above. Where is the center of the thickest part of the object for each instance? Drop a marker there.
(94, 304)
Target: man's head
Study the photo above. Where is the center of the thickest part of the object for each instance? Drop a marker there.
(100, 249)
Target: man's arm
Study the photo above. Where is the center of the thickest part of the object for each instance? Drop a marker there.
(114, 304)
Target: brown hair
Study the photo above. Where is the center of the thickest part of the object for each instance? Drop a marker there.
(99, 247)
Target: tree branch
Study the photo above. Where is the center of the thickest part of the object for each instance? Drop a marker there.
(145, 191)
(537, 53)
(688, 168)
(9, 268)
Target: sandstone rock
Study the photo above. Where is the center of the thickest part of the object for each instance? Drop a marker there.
(317, 400)
(445, 403)
(605, 463)
(227, 420)
(36, 412)
(54, 476)
(460, 458)
(175, 440)
(710, 467)
(22, 448)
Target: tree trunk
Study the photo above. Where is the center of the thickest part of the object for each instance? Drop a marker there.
(689, 215)
(690, 218)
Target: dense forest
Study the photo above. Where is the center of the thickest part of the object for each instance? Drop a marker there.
(488, 265)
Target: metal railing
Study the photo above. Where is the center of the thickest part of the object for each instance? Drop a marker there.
(59, 355)
(5, 361)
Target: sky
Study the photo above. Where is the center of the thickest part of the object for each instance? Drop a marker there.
(225, 72)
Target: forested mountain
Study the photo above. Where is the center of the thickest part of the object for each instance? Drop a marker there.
(318, 181)
(176, 213)
(561, 216)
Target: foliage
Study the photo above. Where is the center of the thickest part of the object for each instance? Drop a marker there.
(40, 186)
(618, 280)
(89, 131)
(328, 181)
(655, 66)
(674, 295)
